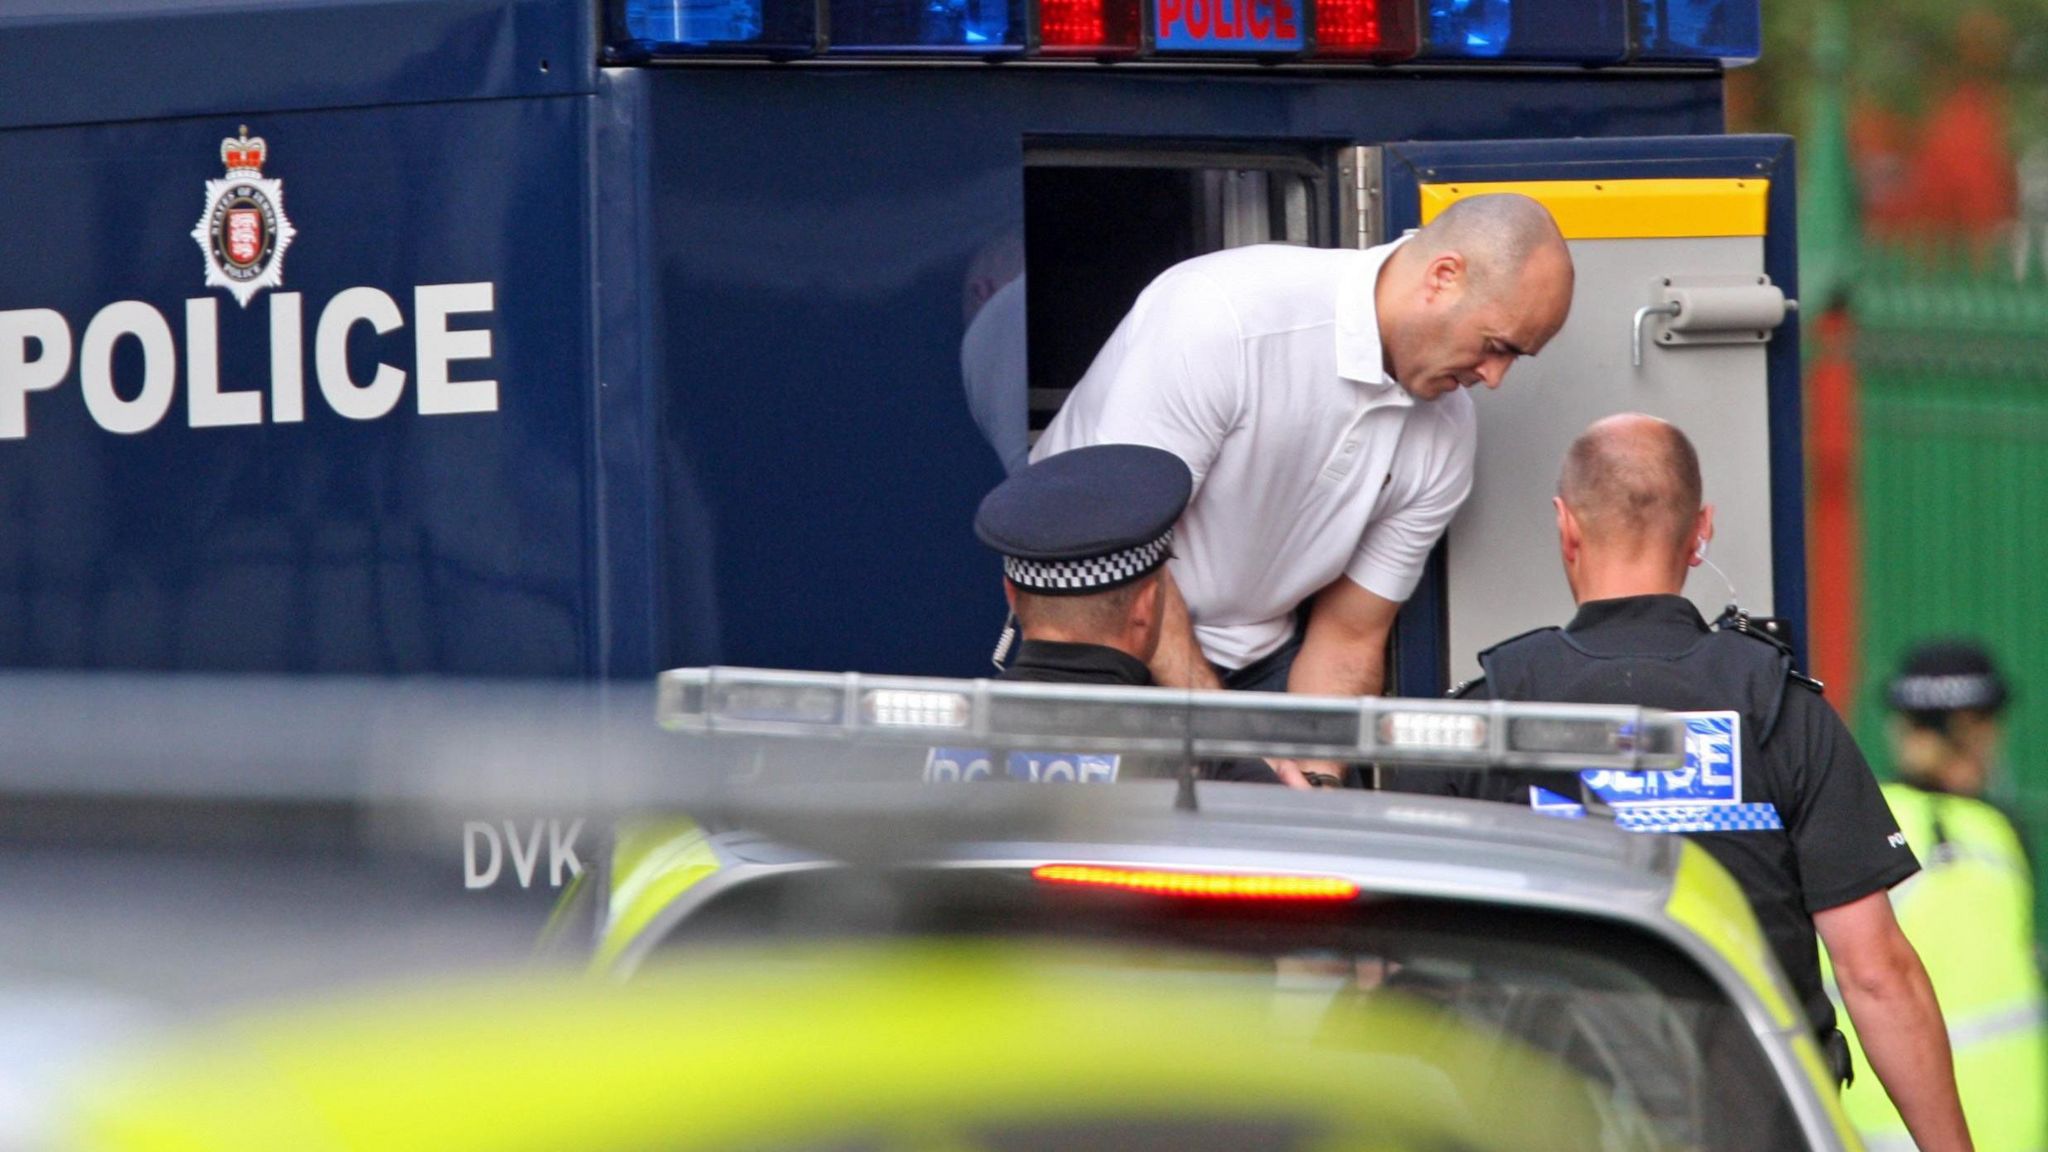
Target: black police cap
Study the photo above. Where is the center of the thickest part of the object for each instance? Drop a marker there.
(1087, 520)
(1948, 676)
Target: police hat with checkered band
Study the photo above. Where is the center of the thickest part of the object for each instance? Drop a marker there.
(1944, 676)
(1087, 520)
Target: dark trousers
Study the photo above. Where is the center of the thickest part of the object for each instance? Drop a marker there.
(1269, 672)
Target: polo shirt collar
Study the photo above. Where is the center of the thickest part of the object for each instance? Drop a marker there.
(1360, 358)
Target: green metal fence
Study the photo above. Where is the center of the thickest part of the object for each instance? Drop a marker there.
(1952, 362)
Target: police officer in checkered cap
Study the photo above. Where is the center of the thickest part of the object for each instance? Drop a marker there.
(1084, 535)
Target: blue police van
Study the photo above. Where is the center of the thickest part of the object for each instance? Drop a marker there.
(583, 338)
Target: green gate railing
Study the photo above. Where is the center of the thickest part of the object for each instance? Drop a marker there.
(1952, 361)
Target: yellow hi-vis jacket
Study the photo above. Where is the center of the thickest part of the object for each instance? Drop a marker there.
(1969, 913)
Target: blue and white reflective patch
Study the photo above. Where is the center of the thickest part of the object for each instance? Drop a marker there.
(1757, 817)
(1703, 796)
(957, 765)
(1712, 772)
(1551, 804)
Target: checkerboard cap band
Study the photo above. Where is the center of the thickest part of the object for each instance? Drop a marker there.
(1095, 574)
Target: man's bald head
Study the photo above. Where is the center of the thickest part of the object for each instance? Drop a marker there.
(1498, 234)
(1633, 484)
(1485, 283)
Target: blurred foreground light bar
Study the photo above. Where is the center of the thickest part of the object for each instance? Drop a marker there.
(912, 710)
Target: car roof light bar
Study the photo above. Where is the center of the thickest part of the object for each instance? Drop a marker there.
(1104, 718)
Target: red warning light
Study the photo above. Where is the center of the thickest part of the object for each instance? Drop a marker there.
(1199, 885)
(1088, 27)
(1381, 30)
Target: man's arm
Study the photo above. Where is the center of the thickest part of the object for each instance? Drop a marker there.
(1178, 662)
(1888, 995)
(1344, 651)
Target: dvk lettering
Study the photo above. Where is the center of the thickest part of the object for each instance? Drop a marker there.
(484, 851)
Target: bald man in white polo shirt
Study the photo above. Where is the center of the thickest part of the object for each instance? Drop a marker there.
(1318, 397)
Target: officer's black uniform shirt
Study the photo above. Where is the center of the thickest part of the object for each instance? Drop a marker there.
(1057, 662)
(1838, 843)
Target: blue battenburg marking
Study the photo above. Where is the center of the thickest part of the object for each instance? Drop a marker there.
(1712, 772)
(1755, 817)
(962, 765)
(1703, 796)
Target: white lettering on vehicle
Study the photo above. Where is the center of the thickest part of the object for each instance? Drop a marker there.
(38, 355)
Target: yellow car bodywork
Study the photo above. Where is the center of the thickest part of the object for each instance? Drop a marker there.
(902, 1046)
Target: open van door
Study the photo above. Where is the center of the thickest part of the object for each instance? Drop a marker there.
(1698, 231)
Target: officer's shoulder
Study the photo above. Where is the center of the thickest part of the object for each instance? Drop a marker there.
(1466, 689)
(1532, 636)
(1768, 634)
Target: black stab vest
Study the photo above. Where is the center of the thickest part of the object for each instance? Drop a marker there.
(1722, 671)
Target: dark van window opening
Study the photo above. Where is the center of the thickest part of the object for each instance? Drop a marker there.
(1101, 222)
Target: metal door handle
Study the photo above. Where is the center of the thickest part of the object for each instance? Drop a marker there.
(1643, 314)
(1712, 310)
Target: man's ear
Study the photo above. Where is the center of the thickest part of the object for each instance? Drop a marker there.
(1148, 607)
(1569, 538)
(1010, 592)
(1702, 532)
(1443, 275)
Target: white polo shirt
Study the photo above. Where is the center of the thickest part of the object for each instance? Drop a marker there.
(1261, 367)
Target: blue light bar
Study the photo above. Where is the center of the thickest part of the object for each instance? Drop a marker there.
(1472, 29)
(1529, 31)
(1730, 31)
(648, 28)
(1230, 27)
(928, 26)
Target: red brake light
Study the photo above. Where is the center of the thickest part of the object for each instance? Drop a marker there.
(1383, 30)
(1201, 885)
(1088, 27)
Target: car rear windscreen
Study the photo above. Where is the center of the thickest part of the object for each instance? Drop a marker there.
(1635, 1018)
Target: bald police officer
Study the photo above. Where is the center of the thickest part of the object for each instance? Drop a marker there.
(1794, 813)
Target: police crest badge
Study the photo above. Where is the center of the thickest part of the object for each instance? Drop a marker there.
(244, 231)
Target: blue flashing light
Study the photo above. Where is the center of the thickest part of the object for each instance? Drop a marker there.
(1530, 31)
(938, 26)
(1570, 31)
(693, 21)
(1469, 28)
(669, 27)
(1730, 31)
